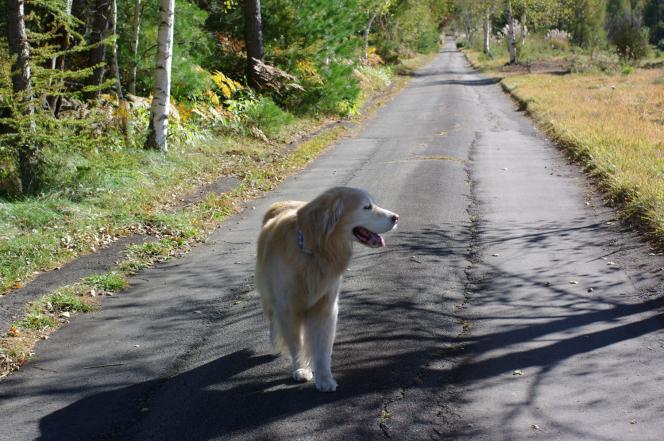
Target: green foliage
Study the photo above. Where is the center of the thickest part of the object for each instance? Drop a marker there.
(627, 69)
(415, 26)
(266, 116)
(26, 118)
(653, 18)
(625, 28)
(193, 48)
(631, 41)
(410, 26)
(586, 22)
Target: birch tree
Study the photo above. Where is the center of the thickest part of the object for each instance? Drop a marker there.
(113, 20)
(524, 29)
(511, 39)
(135, 33)
(487, 33)
(487, 12)
(158, 128)
(28, 151)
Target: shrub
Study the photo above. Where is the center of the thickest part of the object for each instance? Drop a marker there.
(265, 115)
(189, 81)
(558, 39)
(660, 45)
(629, 36)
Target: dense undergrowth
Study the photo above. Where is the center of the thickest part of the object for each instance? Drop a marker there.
(105, 188)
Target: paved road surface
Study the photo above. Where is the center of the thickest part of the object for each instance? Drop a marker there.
(466, 326)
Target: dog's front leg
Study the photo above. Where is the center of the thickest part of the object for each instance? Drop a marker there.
(320, 327)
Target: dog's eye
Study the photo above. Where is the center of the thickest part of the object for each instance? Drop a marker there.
(367, 207)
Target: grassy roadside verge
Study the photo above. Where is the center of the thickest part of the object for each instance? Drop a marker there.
(610, 122)
(259, 166)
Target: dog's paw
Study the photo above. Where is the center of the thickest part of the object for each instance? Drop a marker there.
(302, 375)
(326, 384)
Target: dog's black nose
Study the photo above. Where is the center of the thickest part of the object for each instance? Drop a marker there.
(395, 218)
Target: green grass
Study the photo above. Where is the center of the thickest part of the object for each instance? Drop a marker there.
(45, 312)
(37, 321)
(109, 282)
(121, 193)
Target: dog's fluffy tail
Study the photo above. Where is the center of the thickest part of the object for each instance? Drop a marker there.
(279, 207)
(275, 338)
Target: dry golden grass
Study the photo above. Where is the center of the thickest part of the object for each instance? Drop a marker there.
(615, 125)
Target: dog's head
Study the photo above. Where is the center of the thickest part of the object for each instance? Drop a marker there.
(348, 214)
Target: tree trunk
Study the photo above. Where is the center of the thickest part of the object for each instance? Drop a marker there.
(113, 19)
(253, 35)
(523, 25)
(28, 152)
(487, 34)
(468, 20)
(98, 53)
(158, 128)
(135, 33)
(367, 30)
(511, 40)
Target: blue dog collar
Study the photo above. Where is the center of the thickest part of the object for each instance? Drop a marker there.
(300, 242)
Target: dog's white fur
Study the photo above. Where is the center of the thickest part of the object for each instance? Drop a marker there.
(299, 284)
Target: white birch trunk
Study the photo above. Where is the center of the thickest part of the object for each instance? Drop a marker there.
(136, 29)
(511, 40)
(524, 29)
(113, 19)
(158, 129)
(487, 34)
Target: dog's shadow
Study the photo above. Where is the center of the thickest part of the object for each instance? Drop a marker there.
(197, 404)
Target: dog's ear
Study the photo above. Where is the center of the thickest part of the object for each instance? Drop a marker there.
(331, 215)
(318, 218)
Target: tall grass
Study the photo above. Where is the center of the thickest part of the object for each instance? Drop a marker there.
(615, 125)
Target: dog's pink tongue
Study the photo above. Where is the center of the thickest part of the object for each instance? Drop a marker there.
(376, 241)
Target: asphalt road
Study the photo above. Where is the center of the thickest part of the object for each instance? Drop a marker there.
(466, 326)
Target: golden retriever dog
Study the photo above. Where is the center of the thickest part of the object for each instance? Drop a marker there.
(303, 250)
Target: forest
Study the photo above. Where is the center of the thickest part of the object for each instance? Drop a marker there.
(81, 71)
(77, 76)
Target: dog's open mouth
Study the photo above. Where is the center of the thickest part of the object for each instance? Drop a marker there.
(368, 238)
